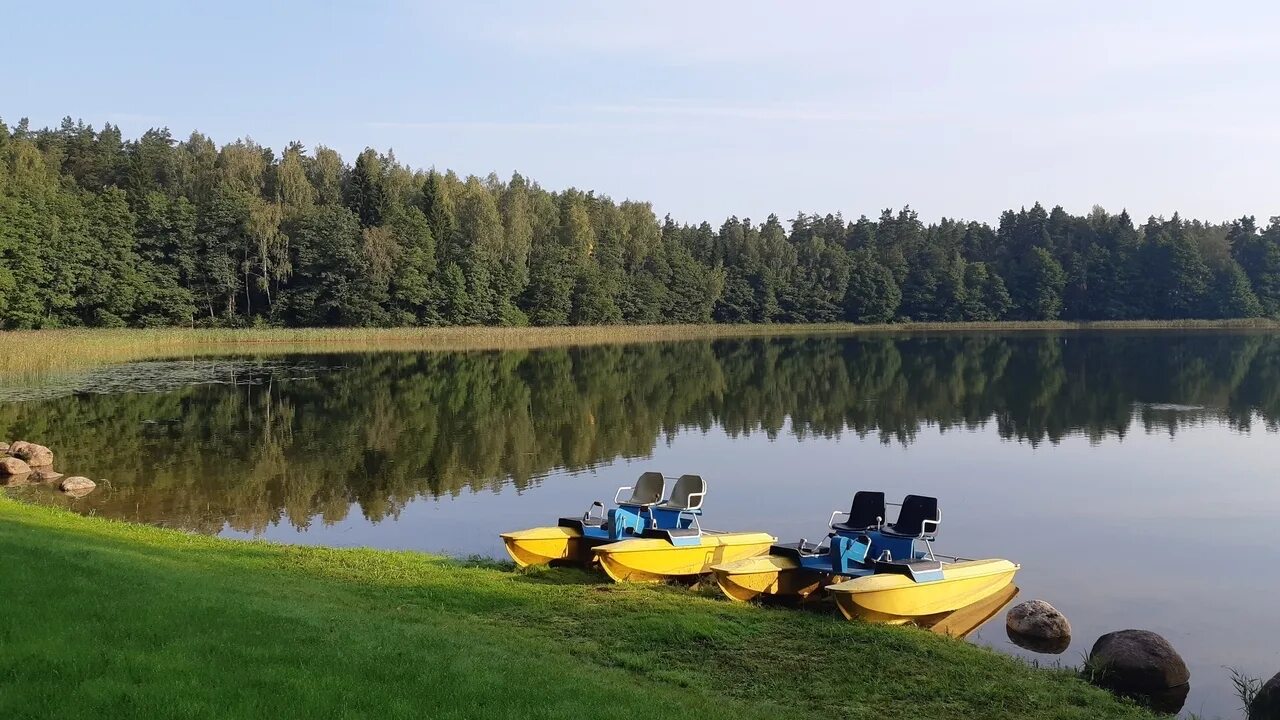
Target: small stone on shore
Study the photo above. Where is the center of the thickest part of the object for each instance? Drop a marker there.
(13, 466)
(1036, 625)
(77, 485)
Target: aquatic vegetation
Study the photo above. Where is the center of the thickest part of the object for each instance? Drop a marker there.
(28, 353)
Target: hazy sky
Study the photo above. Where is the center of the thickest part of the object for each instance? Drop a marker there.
(707, 108)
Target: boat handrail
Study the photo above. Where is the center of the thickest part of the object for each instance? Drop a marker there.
(817, 547)
(597, 504)
(832, 521)
(926, 535)
(693, 520)
(956, 558)
(924, 530)
(700, 496)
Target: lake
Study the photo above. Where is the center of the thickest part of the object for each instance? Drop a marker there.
(1132, 474)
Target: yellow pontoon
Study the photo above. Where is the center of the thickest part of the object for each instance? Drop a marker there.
(661, 555)
(544, 545)
(916, 590)
(775, 575)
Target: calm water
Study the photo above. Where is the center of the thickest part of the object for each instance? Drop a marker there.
(1133, 475)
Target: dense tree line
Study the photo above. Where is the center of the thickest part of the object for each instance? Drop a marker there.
(276, 442)
(99, 230)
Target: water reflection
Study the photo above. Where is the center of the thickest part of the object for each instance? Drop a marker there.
(308, 439)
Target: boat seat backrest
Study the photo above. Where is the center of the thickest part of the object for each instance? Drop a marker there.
(916, 509)
(647, 490)
(687, 493)
(867, 510)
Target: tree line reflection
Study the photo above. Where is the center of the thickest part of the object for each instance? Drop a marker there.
(378, 430)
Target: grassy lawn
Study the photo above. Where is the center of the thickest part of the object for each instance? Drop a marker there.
(31, 352)
(110, 620)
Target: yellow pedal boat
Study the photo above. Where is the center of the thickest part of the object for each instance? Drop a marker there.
(543, 545)
(655, 558)
(572, 539)
(772, 575)
(888, 597)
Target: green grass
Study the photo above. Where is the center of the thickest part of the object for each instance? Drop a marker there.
(103, 619)
(34, 352)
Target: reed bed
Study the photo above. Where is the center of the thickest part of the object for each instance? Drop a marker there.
(37, 352)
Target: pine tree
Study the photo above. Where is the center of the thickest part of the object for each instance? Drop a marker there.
(1045, 280)
(1259, 256)
(364, 194)
(872, 294)
(1231, 295)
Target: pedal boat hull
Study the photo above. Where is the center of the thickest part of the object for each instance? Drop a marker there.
(960, 623)
(897, 599)
(655, 560)
(545, 545)
(769, 575)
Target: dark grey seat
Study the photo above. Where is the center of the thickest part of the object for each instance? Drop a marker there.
(918, 518)
(647, 490)
(686, 494)
(866, 513)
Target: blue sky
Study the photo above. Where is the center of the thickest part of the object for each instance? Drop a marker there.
(707, 108)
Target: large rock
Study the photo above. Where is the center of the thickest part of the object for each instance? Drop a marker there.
(1266, 704)
(1037, 619)
(13, 466)
(4, 447)
(77, 486)
(34, 455)
(1137, 662)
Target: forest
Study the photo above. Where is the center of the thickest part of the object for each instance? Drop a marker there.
(97, 230)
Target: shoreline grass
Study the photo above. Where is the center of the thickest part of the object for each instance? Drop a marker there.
(34, 352)
(121, 620)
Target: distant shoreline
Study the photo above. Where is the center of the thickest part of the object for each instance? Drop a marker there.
(38, 351)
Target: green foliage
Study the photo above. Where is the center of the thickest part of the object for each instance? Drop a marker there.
(332, 283)
(986, 298)
(97, 230)
(872, 295)
(1231, 295)
(1259, 255)
(1045, 281)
